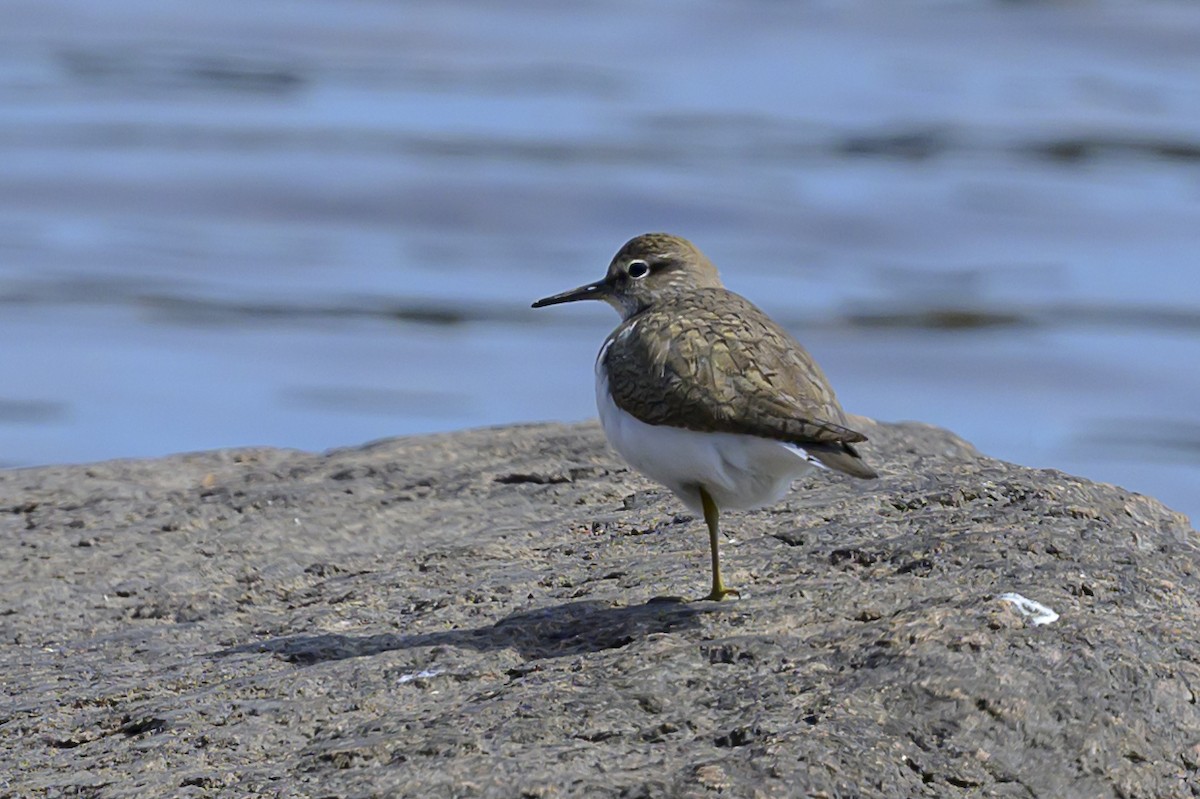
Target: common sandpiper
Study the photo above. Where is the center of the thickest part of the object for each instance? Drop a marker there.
(701, 391)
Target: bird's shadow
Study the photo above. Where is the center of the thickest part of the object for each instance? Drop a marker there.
(573, 628)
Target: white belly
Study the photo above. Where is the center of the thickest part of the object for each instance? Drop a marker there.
(738, 471)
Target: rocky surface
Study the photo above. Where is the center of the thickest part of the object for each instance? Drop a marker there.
(469, 615)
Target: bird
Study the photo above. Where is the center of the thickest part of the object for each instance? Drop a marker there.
(702, 392)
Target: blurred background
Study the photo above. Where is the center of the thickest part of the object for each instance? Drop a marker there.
(311, 224)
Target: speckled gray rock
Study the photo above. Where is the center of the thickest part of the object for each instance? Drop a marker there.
(467, 615)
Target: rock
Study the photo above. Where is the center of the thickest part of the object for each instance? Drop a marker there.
(469, 615)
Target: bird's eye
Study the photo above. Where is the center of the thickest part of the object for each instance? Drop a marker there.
(638, 269)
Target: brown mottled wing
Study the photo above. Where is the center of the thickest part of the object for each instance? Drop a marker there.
(713, 362)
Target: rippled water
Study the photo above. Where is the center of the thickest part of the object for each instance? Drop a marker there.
(312, 224)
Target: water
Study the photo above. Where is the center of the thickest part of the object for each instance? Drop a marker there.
(313, 224)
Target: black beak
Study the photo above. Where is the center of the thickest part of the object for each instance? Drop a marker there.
(592, 291)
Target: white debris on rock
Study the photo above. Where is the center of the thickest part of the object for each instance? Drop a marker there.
(1037, 612)
(419, 675)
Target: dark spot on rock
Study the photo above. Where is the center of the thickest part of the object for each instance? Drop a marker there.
(516, 478)
(919, 567)
(793, 538)
(738, 736)
(147, 724)
(323, 569)
(854, 557)
(660, 732)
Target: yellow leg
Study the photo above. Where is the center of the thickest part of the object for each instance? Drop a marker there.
(711, 516)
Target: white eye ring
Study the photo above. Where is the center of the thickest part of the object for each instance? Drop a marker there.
(638, 269)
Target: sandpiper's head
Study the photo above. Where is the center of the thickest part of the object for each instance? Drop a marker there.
(647, 268)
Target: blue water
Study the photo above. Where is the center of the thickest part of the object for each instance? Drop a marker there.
(313, 224)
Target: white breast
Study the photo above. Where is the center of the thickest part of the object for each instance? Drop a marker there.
(738, 471)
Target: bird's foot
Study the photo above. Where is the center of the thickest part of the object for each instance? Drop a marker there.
(715, 595)
(720, 592)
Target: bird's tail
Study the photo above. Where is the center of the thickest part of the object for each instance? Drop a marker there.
(841, 457)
